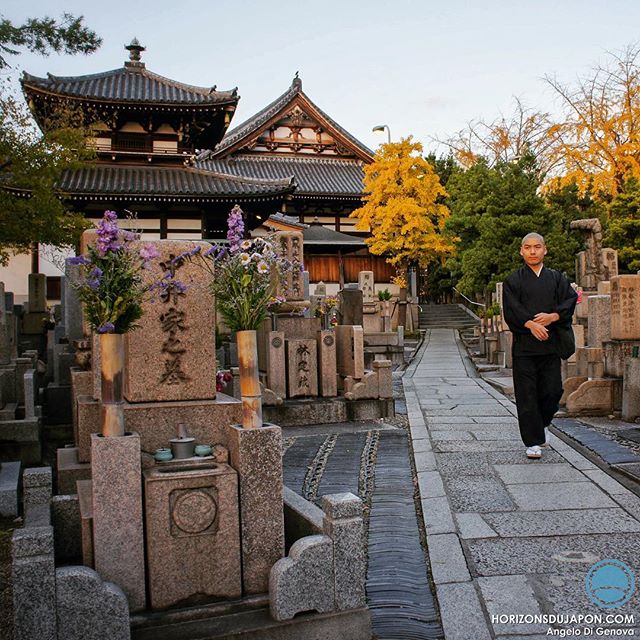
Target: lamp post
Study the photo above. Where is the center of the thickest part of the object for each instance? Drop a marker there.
(382, 127)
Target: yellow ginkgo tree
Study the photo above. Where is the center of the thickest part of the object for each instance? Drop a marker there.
(597, 146)
(403, 207)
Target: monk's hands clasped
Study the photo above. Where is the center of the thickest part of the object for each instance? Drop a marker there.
(545, 319)
(538, 330)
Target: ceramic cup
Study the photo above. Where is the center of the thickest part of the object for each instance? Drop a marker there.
(203, 450)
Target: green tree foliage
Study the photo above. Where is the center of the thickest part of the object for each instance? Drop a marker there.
(46, 35)
(31, 161)
(492, 208)
(624, 226)
(31, 164)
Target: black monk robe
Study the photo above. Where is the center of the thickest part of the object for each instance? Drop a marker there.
(524, 295)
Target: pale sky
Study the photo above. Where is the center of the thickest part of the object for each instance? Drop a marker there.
(422, 67)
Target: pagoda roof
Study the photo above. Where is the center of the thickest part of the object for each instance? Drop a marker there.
(141, 182)
(314, 175)
(251, 128)
(132, 83)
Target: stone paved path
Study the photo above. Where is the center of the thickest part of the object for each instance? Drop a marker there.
(506, 535)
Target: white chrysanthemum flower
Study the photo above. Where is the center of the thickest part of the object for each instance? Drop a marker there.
(263, 267)
(246, 244)
(256, 256)
(245, 259)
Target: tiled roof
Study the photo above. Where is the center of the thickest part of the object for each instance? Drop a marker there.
(318, 234)
(313, 175)
(173, 183)
(129, 84)
(264, 115)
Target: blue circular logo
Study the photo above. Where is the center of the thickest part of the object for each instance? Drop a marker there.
(609, 584)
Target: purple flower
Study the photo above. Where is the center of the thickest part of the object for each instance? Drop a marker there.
(235, 231)
(107, 327)
(108, 234)
(149, 252)
(130, 236)
(78, 260)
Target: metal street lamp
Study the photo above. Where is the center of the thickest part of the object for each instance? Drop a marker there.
(382, 127)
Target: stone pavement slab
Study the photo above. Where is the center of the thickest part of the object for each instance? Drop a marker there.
(527, 531)
(560, 495)
(561, 522)
(519, 474)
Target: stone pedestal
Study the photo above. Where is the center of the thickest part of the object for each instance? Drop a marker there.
(256, 454)
(298, 328)
(157, 422)
(34, 584)
(631, 390)
(192, 532)
(118, 537)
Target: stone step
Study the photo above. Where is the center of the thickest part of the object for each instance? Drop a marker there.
(248, 623)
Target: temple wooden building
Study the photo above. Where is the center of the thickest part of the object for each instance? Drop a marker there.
(163, 153)
(146, 133)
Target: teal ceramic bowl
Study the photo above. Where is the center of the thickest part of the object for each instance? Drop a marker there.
(162, 455)
(203, 450)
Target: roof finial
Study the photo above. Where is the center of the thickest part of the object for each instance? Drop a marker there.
(134, 49)
(297, 82)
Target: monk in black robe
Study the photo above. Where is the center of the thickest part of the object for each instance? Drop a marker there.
(535, 301)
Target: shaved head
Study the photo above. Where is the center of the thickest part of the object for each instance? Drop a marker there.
(532, 236)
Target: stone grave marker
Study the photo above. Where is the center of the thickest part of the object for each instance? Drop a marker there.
(350, 351)
(350, 307)
(276, 363)
(289, 245)
(599, 326)
(302, 368)
(171, 356)
(625, 307)
(327, 365)
(365, 284)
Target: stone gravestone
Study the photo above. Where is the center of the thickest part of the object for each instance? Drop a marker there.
(609, 259)
(365, 284)
(350, 351)
(350, 307)
(321, 289)
(276, 363)
(71, 304)
(599, 326)
(625, 307)
(327, 366)
(171, 356)
(589, 266)
(289, 245)
(37, 292)
(5, 335)
(302, 368)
